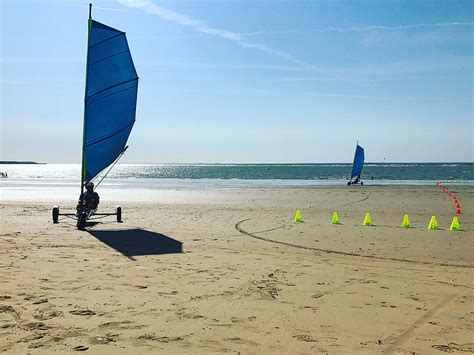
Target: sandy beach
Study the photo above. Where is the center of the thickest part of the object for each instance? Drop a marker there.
(229, 271)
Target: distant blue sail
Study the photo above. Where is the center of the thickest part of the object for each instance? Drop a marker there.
(358, 161)
(111, 98)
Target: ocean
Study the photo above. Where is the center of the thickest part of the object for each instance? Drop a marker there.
(53, 181)
(237, 175)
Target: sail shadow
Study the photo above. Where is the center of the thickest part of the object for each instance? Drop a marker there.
(138, 242)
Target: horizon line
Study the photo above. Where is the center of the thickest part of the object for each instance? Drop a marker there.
(30, 162)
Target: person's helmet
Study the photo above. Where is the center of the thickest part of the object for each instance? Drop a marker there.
(90, 185)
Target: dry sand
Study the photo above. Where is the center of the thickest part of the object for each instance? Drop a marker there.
(229, 271)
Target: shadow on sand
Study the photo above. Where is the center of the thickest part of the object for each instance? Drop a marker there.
(137, 242)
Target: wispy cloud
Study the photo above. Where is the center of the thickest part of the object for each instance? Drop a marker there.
(361, 29)
(277, 32)
(202, 27)
(391, 28)
(96, 7)
(36, 60)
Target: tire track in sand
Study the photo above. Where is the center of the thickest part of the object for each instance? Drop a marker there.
(338, 252)
(354, 202)
(405, 336)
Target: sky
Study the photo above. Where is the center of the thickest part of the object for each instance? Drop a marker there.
(249, 81)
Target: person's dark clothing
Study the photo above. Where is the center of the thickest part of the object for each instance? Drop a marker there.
(90, 198)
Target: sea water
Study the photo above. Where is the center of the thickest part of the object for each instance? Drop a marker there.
(52, 181)
(244, 175)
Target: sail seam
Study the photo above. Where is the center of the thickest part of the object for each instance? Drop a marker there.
(112, 94)
(108, 39)
(98, 140)
(110, 56)
(110, 87)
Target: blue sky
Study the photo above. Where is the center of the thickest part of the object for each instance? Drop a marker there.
(249, 81)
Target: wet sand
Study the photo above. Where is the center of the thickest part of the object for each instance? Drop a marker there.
(229, 271)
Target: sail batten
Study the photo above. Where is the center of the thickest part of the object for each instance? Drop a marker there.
(110, 56)
(111, 87)
(111, 135)
(110, 99)
(108, 39)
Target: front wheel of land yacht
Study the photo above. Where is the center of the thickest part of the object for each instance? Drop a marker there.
(55, 214)
(118, 212)
(81, 221)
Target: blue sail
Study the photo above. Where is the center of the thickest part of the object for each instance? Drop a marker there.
(110, 100)
(358, 161)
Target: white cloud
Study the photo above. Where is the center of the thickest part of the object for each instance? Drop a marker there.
(391, 28)
(96, 7)
(361, 29)
(200, 26)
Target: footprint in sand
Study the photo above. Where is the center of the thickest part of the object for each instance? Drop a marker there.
(314, 309)
(28, 297)
(11, 310)
(31, 337)
(125, 324)
(35, 346)
(6, 309)
(41, 300)
(238, 340)
(80, 348)
(83, 312)
(102, 340)
(41, 315)
(369, 282)
(160, 339)
(305, 338)
(453, 347)
(36, 326)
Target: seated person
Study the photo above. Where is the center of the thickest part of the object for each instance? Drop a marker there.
(90, 198)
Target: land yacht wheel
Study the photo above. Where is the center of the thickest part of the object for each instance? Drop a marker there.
(81, 221)
(55, 214)
(118, 211)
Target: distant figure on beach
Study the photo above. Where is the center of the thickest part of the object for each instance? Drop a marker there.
(90, 198)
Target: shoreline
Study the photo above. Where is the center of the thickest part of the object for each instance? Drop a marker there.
(255, 174)
(142, 193)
